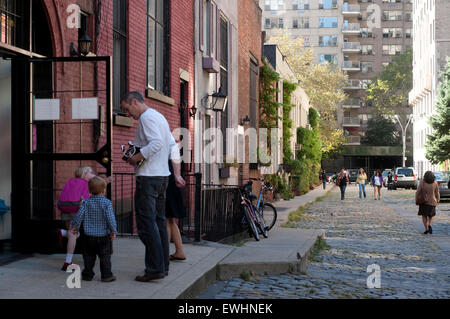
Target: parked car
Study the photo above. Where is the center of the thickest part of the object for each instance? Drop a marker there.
(405, 177)
(352, 175)
(442, 180)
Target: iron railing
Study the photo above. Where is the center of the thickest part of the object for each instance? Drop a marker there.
(213, 212)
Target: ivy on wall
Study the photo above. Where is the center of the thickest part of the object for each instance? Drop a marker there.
(288, 88)
(306, 166)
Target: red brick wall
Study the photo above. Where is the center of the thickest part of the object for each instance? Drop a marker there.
(67, 76)
(249, 15)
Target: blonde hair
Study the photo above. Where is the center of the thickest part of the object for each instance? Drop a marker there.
(97, 185)
(82, 170)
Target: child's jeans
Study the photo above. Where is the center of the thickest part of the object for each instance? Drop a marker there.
(93, 247)
(362, 189)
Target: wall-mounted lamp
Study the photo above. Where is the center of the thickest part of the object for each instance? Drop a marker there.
(84, 46)
(218, 101)
(246, 120)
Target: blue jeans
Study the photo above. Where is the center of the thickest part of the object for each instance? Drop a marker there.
(150, 203)
(343, 187)
(362, 189)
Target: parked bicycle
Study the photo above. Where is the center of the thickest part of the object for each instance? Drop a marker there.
(262, 216)
(266, 210)
(251, 217)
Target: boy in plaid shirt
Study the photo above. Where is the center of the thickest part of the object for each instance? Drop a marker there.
(100, 230)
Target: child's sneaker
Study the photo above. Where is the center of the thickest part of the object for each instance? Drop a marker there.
(64, 267)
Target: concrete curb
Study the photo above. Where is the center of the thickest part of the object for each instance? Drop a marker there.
(226, 271)
(296, 264)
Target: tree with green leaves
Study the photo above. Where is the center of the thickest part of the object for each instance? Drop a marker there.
(323, 83)
(438, 143)
(389, 90)
(382, 131)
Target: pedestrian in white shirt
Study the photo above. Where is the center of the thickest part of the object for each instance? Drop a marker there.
(155, 141)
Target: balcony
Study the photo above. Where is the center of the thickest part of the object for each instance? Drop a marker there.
(355, 85)
(353, 140)
(351, 10)
(354, 103)
(351, 47)
(351, 122)
(351, 66)
(351, 28)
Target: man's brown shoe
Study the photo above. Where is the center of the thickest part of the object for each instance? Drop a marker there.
(147, 278)
(109, 279)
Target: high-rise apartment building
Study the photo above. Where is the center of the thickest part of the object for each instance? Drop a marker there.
(368, 47)
(317, 22)
(339, 32)
(431, 47)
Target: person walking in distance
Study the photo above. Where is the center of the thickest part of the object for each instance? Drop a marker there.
(342, 181)
(361, 181)
(427, 197)
(377, 183)
(323, 178)
(155, 141)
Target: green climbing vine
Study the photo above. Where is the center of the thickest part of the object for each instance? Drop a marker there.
(288, 88)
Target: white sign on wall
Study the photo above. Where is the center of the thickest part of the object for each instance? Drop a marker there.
(46, 110)
(85, 109)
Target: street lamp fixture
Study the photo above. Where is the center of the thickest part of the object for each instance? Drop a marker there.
(410, 117)
(246, 120)
(84, 46)
(218, 101)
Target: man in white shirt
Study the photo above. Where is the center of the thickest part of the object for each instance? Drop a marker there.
(156, 143)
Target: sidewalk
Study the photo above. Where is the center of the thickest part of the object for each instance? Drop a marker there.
(285, 250)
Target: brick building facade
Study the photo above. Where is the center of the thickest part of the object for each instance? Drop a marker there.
(151, 45)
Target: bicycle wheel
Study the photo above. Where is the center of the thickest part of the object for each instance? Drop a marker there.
(269, 214)
(251, 225)
(260, 223)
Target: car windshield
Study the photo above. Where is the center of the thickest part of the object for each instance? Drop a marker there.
(439, 176)
(353, 173)
(405, 171)
(385, 173)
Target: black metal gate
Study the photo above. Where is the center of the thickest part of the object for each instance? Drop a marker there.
(61, 119)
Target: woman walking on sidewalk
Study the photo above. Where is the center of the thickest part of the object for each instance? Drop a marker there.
(361, 181)
(377, 182)
(342, 181)
(427, 197)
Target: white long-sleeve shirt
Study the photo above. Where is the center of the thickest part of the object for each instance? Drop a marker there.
(154, 138)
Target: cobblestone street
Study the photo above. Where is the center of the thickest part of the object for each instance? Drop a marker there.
(360, 233)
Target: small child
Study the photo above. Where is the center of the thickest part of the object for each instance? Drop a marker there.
(74, 192)
(100, 230)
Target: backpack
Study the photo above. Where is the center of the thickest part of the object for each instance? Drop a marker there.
(73, 193)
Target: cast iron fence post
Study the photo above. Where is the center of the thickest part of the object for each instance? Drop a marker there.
(198, 201)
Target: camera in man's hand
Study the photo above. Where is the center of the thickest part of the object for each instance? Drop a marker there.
(130, 152)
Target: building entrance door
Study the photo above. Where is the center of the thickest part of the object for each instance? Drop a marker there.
(62, 119)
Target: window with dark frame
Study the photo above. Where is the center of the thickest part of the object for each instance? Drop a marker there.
(254, 70)
(157, 45)
(13, 28)
(119, 53)
(224, 78)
